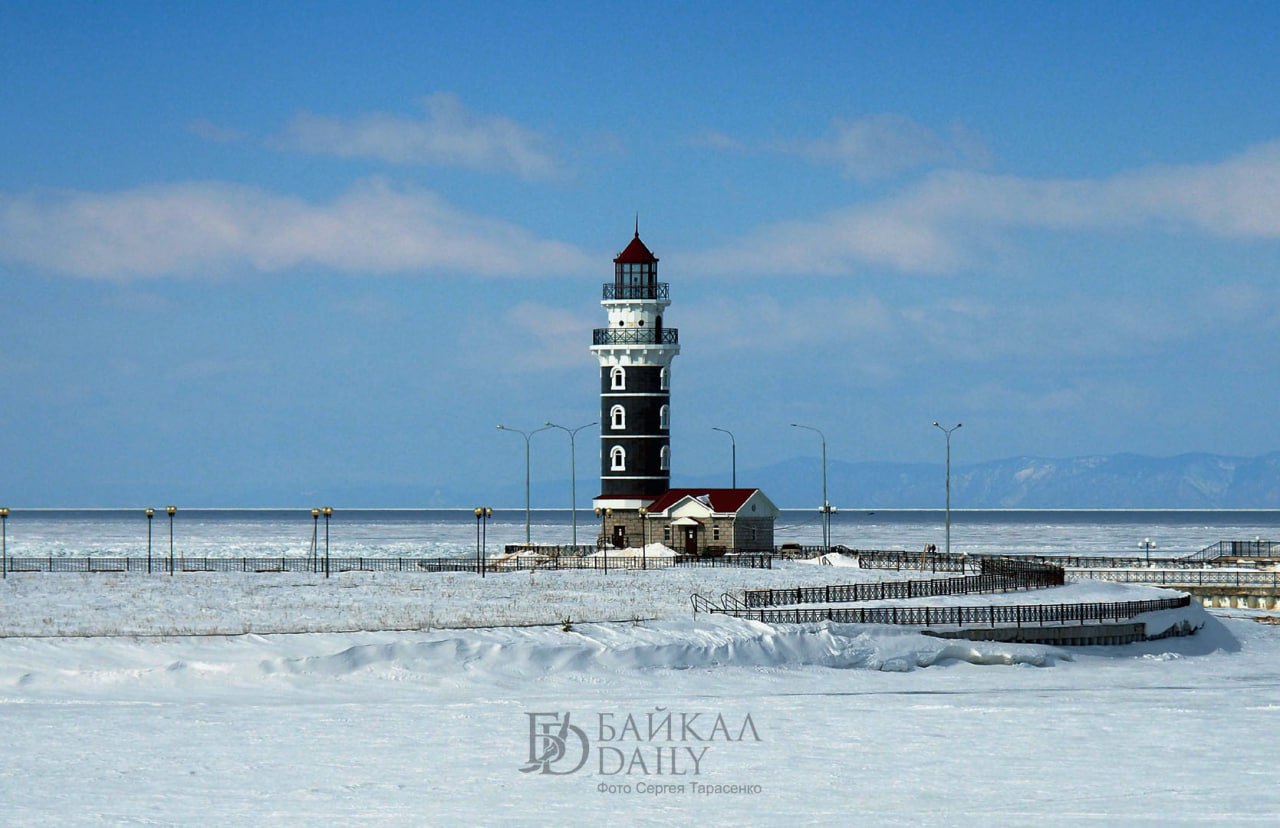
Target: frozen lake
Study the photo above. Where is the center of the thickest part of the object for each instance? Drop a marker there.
(452, 532)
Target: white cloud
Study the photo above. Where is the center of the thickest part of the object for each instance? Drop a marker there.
(884, 146)
(203, 228)
(954, 220)
(716, 140)
(763, 323)
(891, 336)
(209, 131)
(548, 337)
(448, 135)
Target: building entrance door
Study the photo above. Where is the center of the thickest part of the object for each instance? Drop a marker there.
(690, 540)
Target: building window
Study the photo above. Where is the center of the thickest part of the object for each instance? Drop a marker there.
(618, 378)
(617, 418)
(666, 533)
(617, 459)
(664, 417)
(664, 458)
(664, 380)
(715, 533)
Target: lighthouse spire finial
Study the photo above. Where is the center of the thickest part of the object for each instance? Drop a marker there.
(637, 224)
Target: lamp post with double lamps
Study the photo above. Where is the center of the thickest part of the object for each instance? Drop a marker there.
(482, 513)
(1146, 545)
(733, 455)
(527, 435)
(328, 513)
(4, 542)
(947, 431)
(644, 538)
(171, 511)
(573, 477)
(604, 515)
(826, 504)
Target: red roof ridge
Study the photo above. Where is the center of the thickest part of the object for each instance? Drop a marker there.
(720, 500)
(636, 253)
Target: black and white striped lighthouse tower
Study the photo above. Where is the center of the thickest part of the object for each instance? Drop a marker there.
(635, 353)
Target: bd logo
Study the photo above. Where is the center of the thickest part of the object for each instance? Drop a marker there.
(556, 746)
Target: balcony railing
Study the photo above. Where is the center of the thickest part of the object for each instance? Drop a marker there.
(657, 290)
(635, 336)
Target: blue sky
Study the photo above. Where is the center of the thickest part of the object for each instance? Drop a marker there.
(270, 253)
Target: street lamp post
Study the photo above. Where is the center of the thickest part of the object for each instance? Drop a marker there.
(1146, 545)
(604, 514)
(171, 511)
(644, 538)
(573, 476)
(328, 513)
(482, 513)
(527, 435)
(733, 449)
(947, 431)
(150, 513)
(826, 505)
(484, 541)
(315, 538)
(4, 542)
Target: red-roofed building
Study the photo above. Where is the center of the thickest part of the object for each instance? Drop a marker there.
(697, 522)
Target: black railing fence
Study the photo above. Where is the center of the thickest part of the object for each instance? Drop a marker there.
(998, 575)
(901, 559)
(161, 566)
(990, 615)
(1183, 577)
(1239, 549)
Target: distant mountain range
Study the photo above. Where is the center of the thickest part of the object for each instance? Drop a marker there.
(1116, 481)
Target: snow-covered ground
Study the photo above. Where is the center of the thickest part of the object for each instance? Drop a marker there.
(817, 724)
(65, 604)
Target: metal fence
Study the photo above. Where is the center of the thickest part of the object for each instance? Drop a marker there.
(1239, 549)
(1000, 576)
(991, 615)
(900, 559)
(633, 562)
(162, 566)
(1188, 578)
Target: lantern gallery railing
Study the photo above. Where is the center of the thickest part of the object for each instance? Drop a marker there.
(657, 290)
(635, 336)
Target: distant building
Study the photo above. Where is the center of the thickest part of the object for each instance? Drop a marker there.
(693, 521)
(636, 502)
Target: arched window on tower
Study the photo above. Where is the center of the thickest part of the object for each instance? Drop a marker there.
(617, 459)
(618, 378)
(617, 418)
(664, 458)
(664, 379)
(664, 417)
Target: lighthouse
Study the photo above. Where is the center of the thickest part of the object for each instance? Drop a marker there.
(635, 352)
(636, 505)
